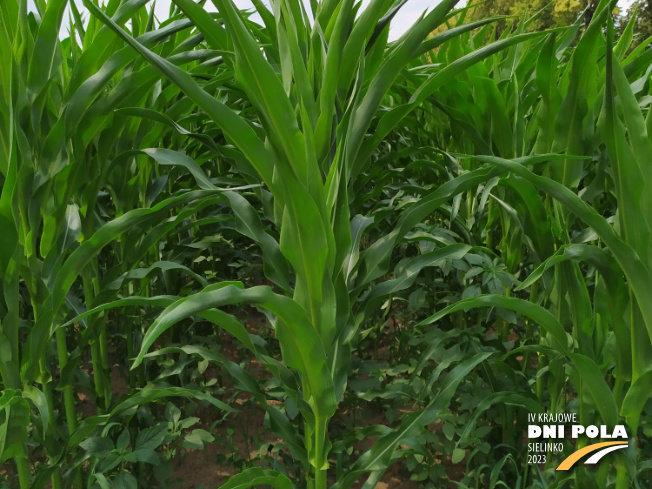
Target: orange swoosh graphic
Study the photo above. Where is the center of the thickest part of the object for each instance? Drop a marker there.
(571, 459)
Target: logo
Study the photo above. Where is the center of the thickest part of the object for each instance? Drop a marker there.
(602, 448)
(552, 429)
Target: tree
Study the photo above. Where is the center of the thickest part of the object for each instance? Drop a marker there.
(550, 13)
(641, 11)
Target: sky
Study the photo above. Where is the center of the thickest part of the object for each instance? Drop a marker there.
(401, 22)
(404, 19)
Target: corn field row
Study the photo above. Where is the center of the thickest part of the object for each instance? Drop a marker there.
(391, 253)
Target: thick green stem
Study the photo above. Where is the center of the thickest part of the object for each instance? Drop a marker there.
(315, 440)
(319, 441)
(96, 350)
(104, 344)
(308, 442)
(68, 390)
(490, 218)
(104, 350)
(622, 476)
(47, 391)
(23, 472)
(68, 394)
(98, 376)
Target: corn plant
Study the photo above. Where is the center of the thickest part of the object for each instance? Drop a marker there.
(53, 173)
(359, 174)
(317, 89)
(576, 113)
